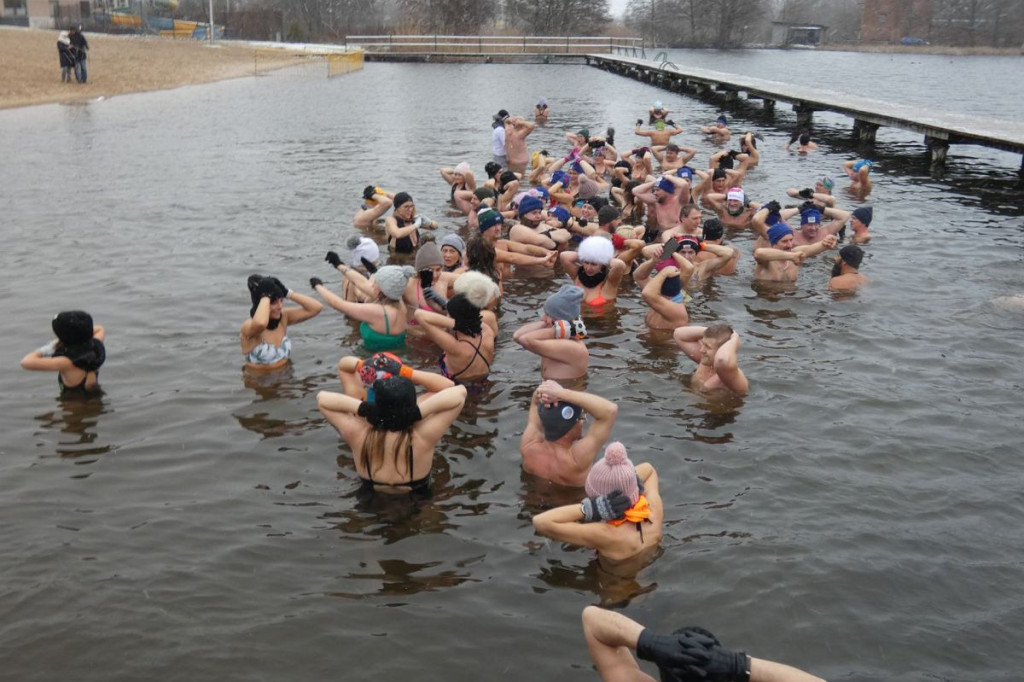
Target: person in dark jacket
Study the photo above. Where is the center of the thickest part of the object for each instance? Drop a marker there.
(80, 49)
(67, 57)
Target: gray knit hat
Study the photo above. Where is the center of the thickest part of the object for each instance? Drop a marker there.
(564, 304)
(391, 280)
(454, 241)
(428, 256)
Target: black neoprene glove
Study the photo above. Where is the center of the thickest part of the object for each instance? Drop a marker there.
(605, 507)
(268, 289)
(315, 282)
(431, 294)
(806, 193)
(369, 191)
(282, 289)
(333, 258)
(671, 123)
(675, 652)
(370, 267)
(639, 122)
(426, 278)
(722, 665)
(773, 206)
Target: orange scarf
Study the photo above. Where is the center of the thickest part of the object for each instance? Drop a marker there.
(641, 511)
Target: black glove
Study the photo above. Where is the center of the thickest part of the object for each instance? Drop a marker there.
(722, 665)
(733, 153)
(773, 206)
(639, 122)
(806, 193)
(671, 123)
(605, 507)
(431, 294)
(384, 363)
(267, 289)
(282, 289)
(333, 258)
(426, 278)
(370, 267)
(369, 191)
(315, 282)
(582, 222)
(806, 205)
(677, 652)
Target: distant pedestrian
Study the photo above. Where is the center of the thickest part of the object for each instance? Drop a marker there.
(80, 49)
(67, 57)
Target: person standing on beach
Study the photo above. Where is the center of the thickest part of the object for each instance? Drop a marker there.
(67, 57)
(80, 49)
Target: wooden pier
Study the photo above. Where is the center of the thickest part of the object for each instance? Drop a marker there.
(491, 49)
(940, 129)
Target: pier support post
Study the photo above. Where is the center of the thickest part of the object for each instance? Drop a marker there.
(731, 96)
(804, 116)
(769, 106)
(938, 149)
(864, 131)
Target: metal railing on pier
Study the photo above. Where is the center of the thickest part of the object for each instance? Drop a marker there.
(496, 45)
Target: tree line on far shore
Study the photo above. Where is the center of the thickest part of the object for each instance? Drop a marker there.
(667, 23)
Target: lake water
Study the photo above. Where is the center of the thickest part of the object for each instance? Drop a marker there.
(859, 514)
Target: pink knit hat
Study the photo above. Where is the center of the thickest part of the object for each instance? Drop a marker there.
(613, 472)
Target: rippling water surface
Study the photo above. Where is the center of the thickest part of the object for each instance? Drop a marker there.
(859, 514)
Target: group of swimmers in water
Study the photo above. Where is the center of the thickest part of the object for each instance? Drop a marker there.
(600, 215)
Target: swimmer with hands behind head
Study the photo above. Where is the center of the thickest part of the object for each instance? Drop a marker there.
(622, 515)
(715, 349)
(558, 336)
(264, 335)
(76, 354)
(554, 445)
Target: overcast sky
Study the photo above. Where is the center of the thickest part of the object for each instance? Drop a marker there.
(617, 7)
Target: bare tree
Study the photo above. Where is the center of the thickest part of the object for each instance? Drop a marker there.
(558, 17)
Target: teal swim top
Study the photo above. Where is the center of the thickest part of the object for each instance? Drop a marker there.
(376, 341)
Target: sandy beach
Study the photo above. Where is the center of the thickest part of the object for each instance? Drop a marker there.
(117, 65)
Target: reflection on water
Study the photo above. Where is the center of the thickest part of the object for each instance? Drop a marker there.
(615, 586)
(76, 419)
(277, 390)
(400, 578)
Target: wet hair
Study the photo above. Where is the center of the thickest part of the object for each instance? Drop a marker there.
(394, 409)
(492, 168)
(74, 330)
(480, 256)
(805, 138)
(718, 332)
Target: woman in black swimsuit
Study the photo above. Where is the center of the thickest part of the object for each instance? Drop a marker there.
(403, 225)
(76, 355)
(392, 438)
